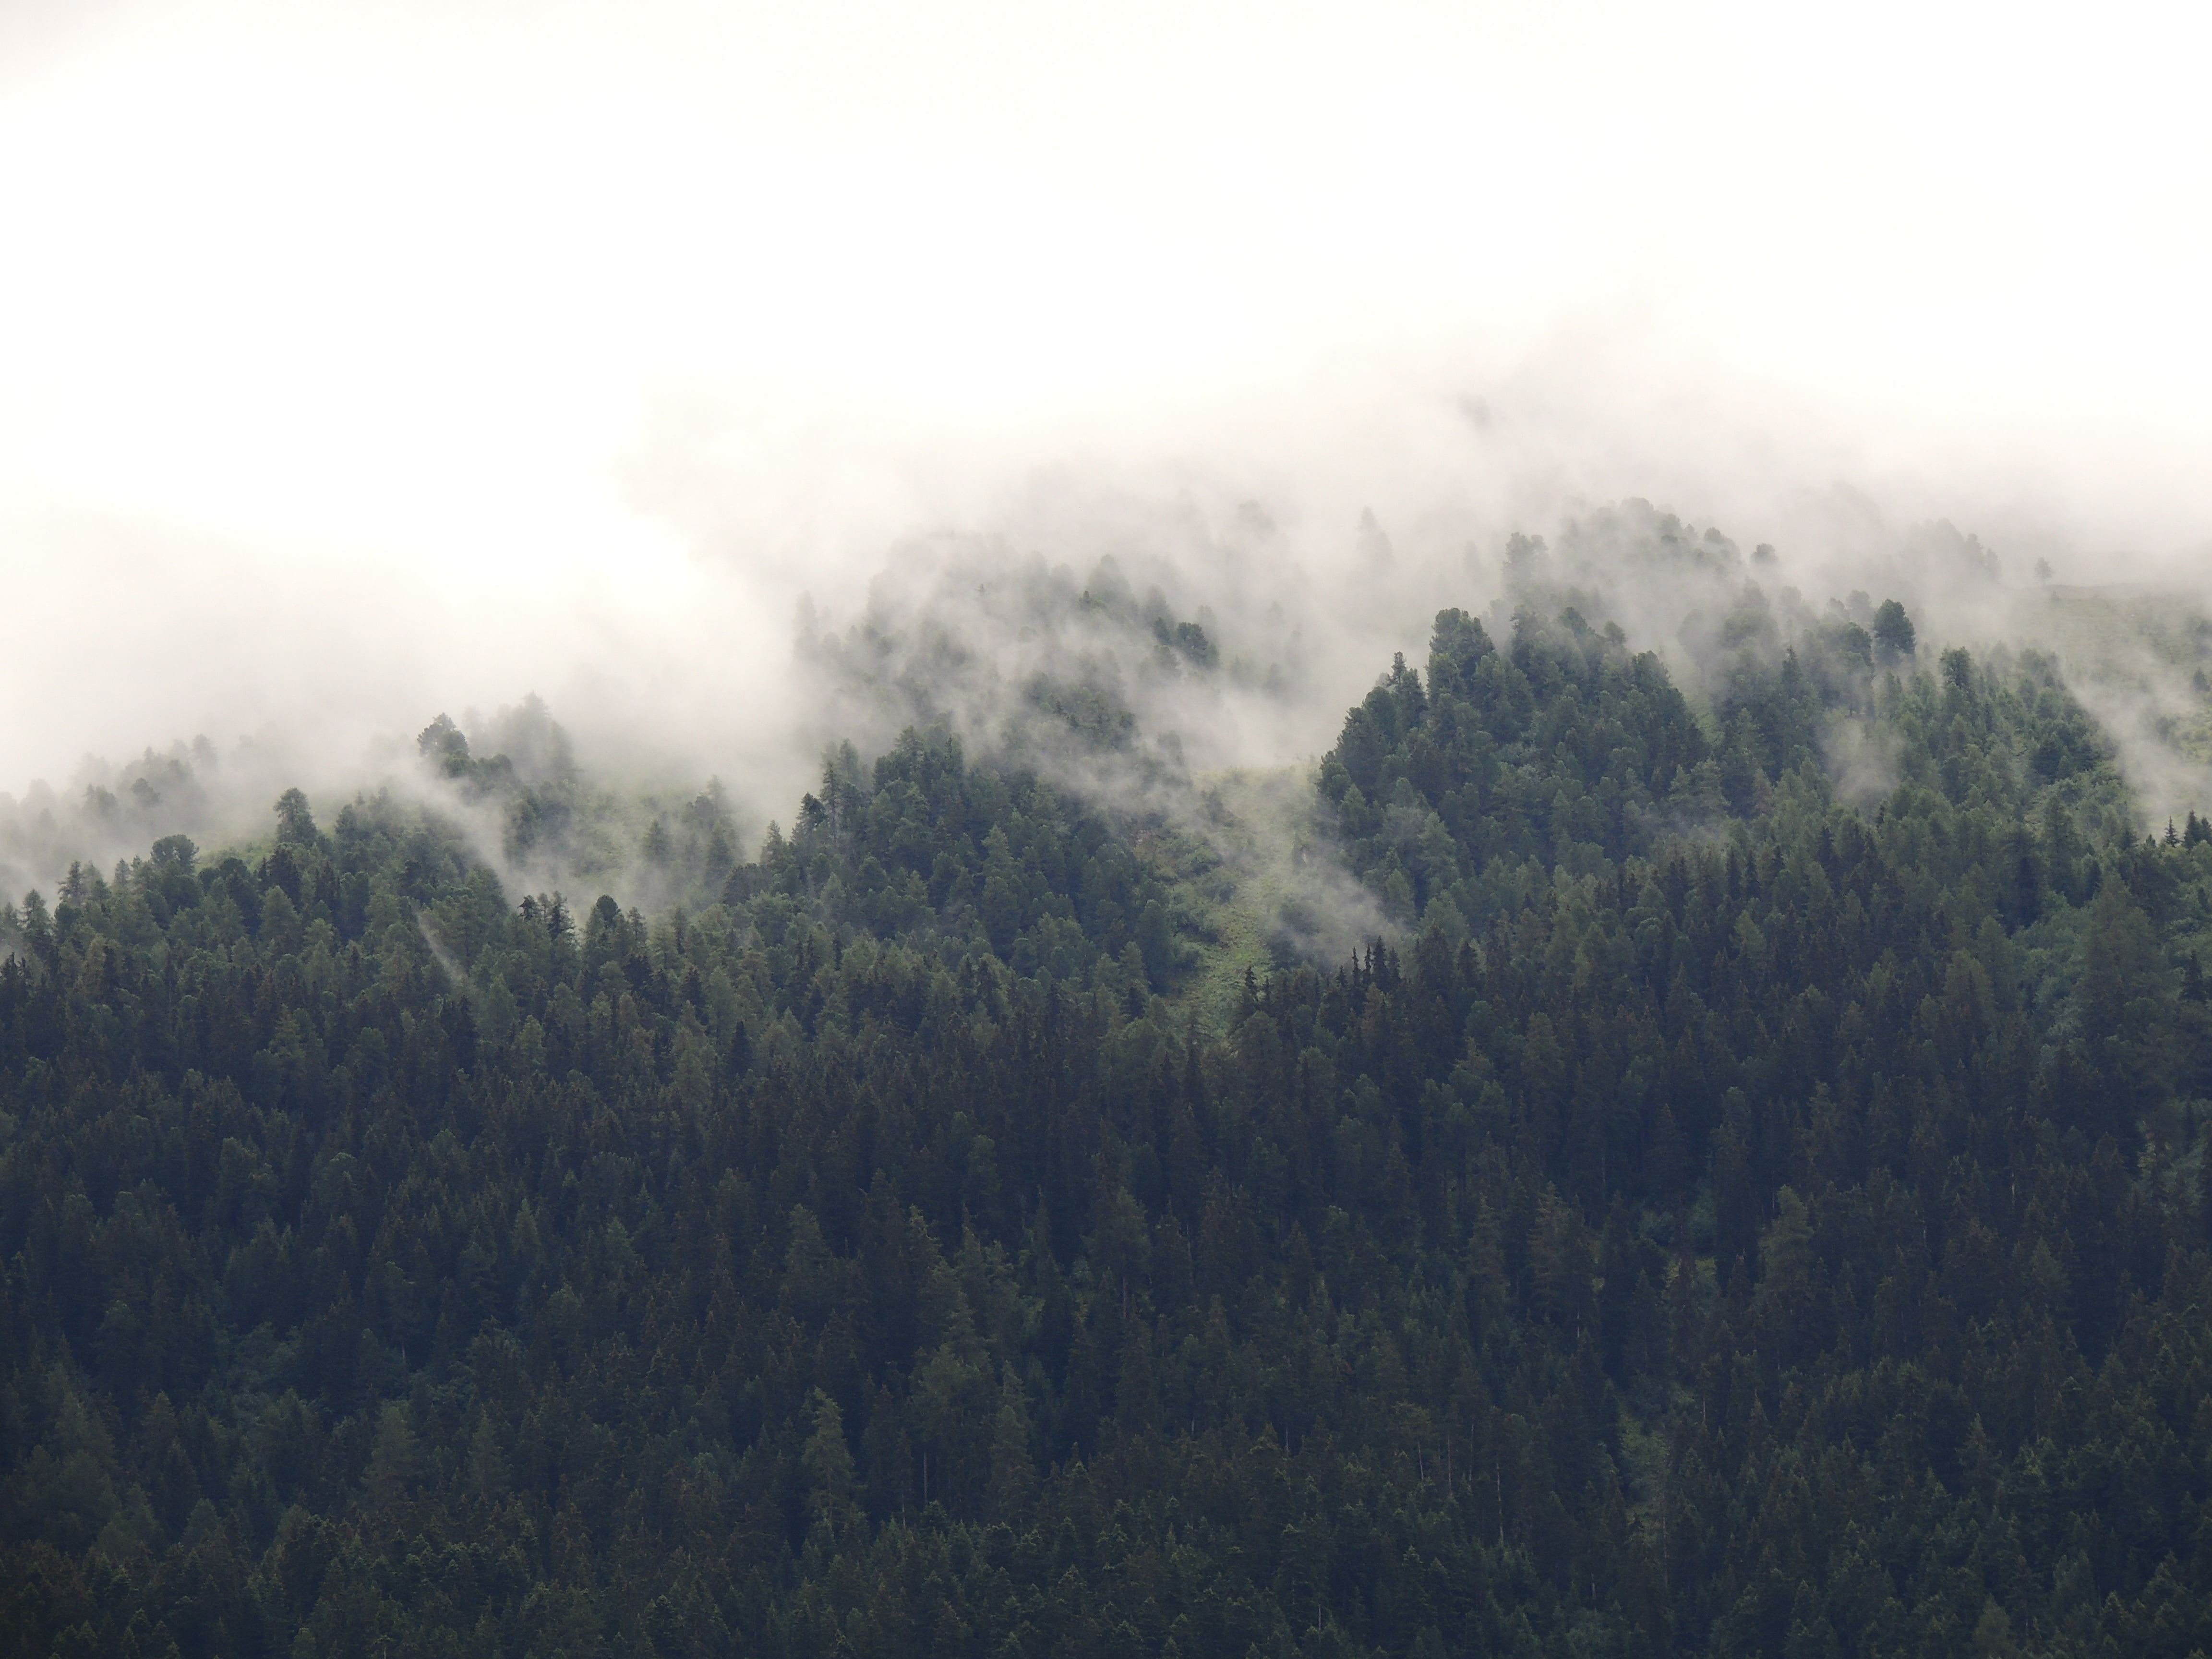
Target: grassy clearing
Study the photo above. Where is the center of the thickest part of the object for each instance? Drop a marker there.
(1246, 880)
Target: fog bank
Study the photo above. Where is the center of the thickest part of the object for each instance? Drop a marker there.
(365, 367)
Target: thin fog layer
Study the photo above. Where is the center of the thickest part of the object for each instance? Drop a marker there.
(1182, 660)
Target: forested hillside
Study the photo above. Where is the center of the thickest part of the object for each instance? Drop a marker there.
(1752, 1203)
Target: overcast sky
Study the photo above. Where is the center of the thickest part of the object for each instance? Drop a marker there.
(359, 362)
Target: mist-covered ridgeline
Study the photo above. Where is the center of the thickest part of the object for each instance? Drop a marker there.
(1146, 651)
(1614, 1093)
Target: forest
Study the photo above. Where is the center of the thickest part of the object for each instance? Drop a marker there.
(1734, 1206)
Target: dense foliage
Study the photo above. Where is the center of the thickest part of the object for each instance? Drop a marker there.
(965, 863)
(1750, 1213)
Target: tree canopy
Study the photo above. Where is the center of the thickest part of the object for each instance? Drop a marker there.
(1745, 1207)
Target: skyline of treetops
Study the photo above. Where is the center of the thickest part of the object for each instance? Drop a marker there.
(1747, 1194)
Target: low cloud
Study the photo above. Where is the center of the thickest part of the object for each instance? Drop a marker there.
(365, 367)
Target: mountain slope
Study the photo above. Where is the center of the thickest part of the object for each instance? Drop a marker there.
(1754, 1202)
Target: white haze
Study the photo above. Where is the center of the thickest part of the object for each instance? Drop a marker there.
(359, 364)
